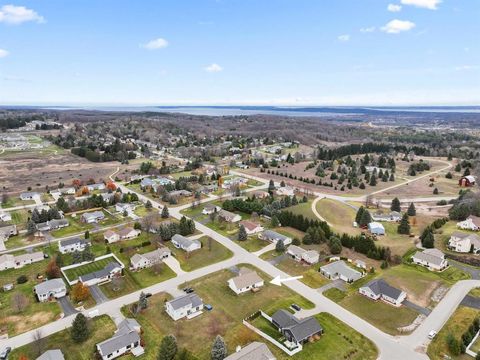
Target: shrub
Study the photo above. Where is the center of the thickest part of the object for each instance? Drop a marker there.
(22, 279)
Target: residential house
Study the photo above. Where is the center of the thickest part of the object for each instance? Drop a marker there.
(29, 195)
(379, 289)
(273, 237)
(125, 340)
(207, 189)
(340, 270)
(296, 331)
(393, 216)
(53, 288)
(285, 191)
(433, 259)
(71, 245)
(93, 187)
(376, 228)
(108, 196)
(122, 207)
(229, 216)
(128, 233)
(106, 274)
(253, 351)
(179, 193)
(259, 194)
(188, 305)
(111, 236)
(5, 216)
(299, 254)
(142, 261)
(251, 227)
(186, 244)
(361, 264)
(92, 217)
(464, 242)
(247, 280)
(467, 181)
(9, 261)
(55, 354)
(470, 223)
(7, 231)
(210, 209)
(52, 225)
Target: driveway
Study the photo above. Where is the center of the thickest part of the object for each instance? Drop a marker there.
(97, 294)
(338, 284)
(475, 273)
(471, 302)
(67, 306)
(277, 260)
(417, 308)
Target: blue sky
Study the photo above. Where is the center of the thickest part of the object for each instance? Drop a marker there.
(280, 52)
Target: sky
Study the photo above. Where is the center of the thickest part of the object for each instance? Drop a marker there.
(240, 52)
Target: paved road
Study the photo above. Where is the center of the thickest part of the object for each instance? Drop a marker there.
(474, 272)
(471, 301)
(98, 294)
(67, 306)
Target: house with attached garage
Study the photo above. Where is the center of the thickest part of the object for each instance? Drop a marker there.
(180, 193)
(29, 195)
(379, 289)
(188, 305)
(52, 225)
(111, 236)
(125, 340)
(122, 207)
(393, 216)
(433, 259)
(5, 216)
(273, 237)
(71, 245)
(93, 187)
(340, 270)
(210, 209)
(7, 231)
(142, 261)
(296, 331)
(470, 223)
(299, 254)
(9, 261)
(55, 354)
(247, 280)
(229, 216)
(53, 288)
(464, 242)
(285, 191)
(253, 351)
(128, 233)
(92, 217)
(111, 270)
(186, 244)
(251, 227)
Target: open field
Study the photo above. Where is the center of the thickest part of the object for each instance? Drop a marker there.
(339, 215)
(101, 328)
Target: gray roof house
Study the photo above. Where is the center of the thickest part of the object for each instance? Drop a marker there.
(433, 259)
(379, 289)
(296, 331)
(126, 339)
(188, 305)
(340, 270)
(253, 351)
(141, 261)
(92, 217)
(186, 244)
(103, 275)
(273, 237)
(71, 245)
(55, 354)
(51, 288)
(29, 195)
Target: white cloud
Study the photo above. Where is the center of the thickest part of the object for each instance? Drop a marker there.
(427, 4)
(368, 29)
(213, 68)
(466, 67)
(344, 38)
(14, 15)
(394, 8)
(397, 26)
(156, 44)
(3, 53)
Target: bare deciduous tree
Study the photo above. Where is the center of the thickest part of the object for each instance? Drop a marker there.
(19, 302)
(38, 344)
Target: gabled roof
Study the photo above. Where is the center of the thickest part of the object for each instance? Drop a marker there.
(52, 355)
(301, 329)
(295, 250)
(273, 235)
(73, 241)
(340, 268)
(190, 300)
(107, 270)
(49, 285)
(250, 225)
(183, 241)
(381, 287)
(118, 341)
(246, 279)
(253, 351)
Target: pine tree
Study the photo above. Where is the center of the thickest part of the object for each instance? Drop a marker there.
(395, 206)
(358, 217)
(435, 191)
(79, 331)
(219, 349)
(148, 205)
(411, 210)
(165, 213)
(168, 348)
(242, 233)
(365, 219)
(274, 221)
(271, 187)
(404, 226)
(280, 246)
(143, 301)
(428, 240)
(373, 180)
(31, 227)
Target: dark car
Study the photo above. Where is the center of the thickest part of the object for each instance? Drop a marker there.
(296, 307)
(147, 295)
(188, 290)
(5, 352)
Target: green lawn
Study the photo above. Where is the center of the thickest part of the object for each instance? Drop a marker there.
(76, 272)
(304, 209)
(252, 244)
(75, 227)
(339, 215)
(210, 253)
(101, 328)
(127, 285)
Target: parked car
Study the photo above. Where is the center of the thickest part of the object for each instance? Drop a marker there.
(208, 307)
(432, 334)
(5, 352)
(296, 307)
(147, 295)
(188, 290)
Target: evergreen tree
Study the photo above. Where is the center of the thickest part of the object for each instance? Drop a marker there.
(335, 245)
(242, 233)
(428, 240)
(395, 206)
(365, 219)
(271, 187)
(435, 191)
(31, 228)
(373, 180)
(143, 301)
(148, 205)
(79, 331)
(165, 213)
(87, 234)
(168, 348)
(280, 246)
(358, 217)
(411, 210)
(219, 349)
(274, 221)
(404, 226)
(392, 177)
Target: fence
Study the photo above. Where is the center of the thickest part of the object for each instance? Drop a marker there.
(73, 282)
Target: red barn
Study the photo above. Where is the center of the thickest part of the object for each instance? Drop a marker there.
(467, 181)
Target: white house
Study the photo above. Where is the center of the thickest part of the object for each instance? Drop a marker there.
(229, 216)
(285, 191)
(128, 233)
(71, 245)
(93, 187)
(5, 216)
(122, 207)
(340, 270)
(7, 231)
(379, 289)
(92, 217)
(53, 288)
(376, 228)
(464, 242)
(9, 261)
(111, 236)
(247, 280)
(299, 254)
(251, 227)
(210, 209)
(106, 274)
(29, 195)
(470, 223)
(125, 340)
(274, 237)
(393, 216)
(142, 261)
(181, 242)
(188, 305)
(433, 259)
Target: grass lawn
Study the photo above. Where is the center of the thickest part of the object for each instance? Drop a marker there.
(13, 201)
(210, 253)
(101, 328)
(304, 209)
(225, 318)
(335, 294)
(76, 272)
(457, 324)
(341, 216)
(253, 243)
(311, 276)
(398, 244)
(75, 227)
(127, 285)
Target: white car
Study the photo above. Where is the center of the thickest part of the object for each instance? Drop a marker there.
(432, 334)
